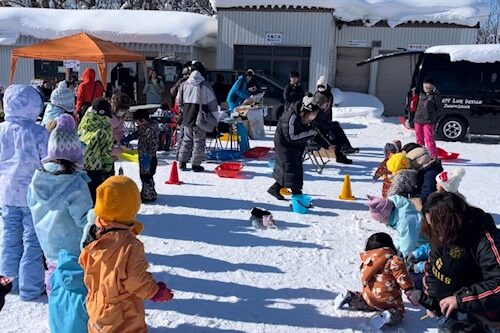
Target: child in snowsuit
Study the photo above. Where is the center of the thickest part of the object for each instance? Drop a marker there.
(428, 108)
(62, 100)
(390, 149)
(427, 170)
(114, 262)
(383, 276)
(59, 200)
(399, 214)
(148, 134)
(405, 179)
(23, 144)
(96, 133)
(449, 181)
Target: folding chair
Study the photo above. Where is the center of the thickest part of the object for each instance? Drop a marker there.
(318, 162)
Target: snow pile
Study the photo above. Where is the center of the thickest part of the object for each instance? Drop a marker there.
(473, 53)
(356, 105)
(120, 26)
(464, 12)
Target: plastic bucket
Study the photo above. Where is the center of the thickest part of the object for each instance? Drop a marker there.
(301, 203)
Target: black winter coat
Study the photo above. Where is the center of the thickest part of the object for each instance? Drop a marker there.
(290, 141)
(329, 96)
(429, 106)
(426, 184)
(292, 94)
(471, 272)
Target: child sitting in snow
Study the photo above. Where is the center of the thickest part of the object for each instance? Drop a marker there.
(59, 200)
(148, 134)
(449, 181)
(23, 144)
(390, 149)
(398, 213)
(405, 179)
(383, 276)
(114, 262)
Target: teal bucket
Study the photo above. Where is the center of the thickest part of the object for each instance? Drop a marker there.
(301, 203)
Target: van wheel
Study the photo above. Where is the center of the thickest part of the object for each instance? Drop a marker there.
(452, 129)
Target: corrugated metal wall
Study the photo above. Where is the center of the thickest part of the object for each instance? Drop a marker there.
(315, 29)
(394, 38)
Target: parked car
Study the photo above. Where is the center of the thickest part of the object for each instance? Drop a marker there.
(223, 80)
(470, 92)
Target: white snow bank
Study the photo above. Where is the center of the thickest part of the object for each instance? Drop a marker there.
(464, 12)
(357, 105)
(120, 26)
(472, 53)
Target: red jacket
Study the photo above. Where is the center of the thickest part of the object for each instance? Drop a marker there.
(87, 87)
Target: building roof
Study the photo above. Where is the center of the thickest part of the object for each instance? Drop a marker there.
(395, 12)
(119, 26)
(479, 53)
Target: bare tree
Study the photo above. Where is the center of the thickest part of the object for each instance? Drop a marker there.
(489, 33)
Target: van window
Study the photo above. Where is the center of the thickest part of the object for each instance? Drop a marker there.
(490, 78)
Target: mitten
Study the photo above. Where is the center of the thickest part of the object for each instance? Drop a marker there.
(419, 267)
(164, 294)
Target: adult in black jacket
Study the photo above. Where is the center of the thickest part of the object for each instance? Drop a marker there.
(293, 92)
(463, 270)
(428, 168)
(295, 128)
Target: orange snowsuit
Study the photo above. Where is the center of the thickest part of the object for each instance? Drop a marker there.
(117, 281)
(383, 275)
(383, 172)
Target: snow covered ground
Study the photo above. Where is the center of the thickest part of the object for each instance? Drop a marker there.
(231, 278)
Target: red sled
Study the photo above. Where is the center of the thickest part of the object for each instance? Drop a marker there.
(229, 169)
(444, 155)
(257, 152)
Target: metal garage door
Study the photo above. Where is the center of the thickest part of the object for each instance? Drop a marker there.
(350, 77)
(393, 83)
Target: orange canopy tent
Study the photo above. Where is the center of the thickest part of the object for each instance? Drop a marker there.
(82, 47)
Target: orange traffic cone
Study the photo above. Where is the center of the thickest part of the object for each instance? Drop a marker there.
(346, 193)
(174, 175)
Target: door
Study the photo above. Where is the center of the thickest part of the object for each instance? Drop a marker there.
(349, 76)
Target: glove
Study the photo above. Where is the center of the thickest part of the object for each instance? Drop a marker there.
(419, 267)
(164, 294)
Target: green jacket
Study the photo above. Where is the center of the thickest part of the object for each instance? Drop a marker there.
(95, 132)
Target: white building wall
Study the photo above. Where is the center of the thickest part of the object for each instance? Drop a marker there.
(315, 29)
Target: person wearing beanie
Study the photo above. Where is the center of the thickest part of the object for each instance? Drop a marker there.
(323, 88)
(23, 144)
(427, 168)
(426, 117)
(404, 179)
(148, 134)
(293, 92)
(295, 128)
(449, 181)
(96, 133)
(120, 104)
(390, 149)
(398, 213)
(59, 199)
(114, 262)
(62, 100)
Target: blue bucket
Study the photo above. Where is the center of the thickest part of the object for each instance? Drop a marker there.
(301, 203)
(224, 155)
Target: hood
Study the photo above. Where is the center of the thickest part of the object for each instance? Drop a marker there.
(373, 261)
(46, 187)
(94, 121)
(111, 242)
(88, 75)
(321, 81)
(70, 273)
(195, 78)
(22, 102)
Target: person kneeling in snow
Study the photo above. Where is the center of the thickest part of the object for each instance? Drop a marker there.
(404, 181)
(295, 128)
(383, 275)
(114, 262)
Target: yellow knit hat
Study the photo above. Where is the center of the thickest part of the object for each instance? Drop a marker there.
(118, 200)
(398, 162)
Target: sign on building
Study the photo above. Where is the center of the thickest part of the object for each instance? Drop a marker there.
(357, 42)
(274, 38)
(73, 64)
(418, 47)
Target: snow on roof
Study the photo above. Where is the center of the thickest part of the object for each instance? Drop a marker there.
(463, 12)
(120, 26)
(479, 53)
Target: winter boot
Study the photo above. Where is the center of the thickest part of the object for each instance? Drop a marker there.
(344, 298)
(197, 168)
(275, 191)
(183, 166)
(5, 288)
(350, 150)
(341, 158)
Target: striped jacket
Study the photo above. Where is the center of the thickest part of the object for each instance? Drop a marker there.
(470, 272)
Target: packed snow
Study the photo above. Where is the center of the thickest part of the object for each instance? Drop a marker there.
(464, 12)
(473, 53)
(230, 278)
(354, 105)
(120, 26)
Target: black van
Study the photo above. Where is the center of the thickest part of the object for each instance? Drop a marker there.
(223, 80)
(470, 92)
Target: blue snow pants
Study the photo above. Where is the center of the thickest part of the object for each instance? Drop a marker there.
(21, 254)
